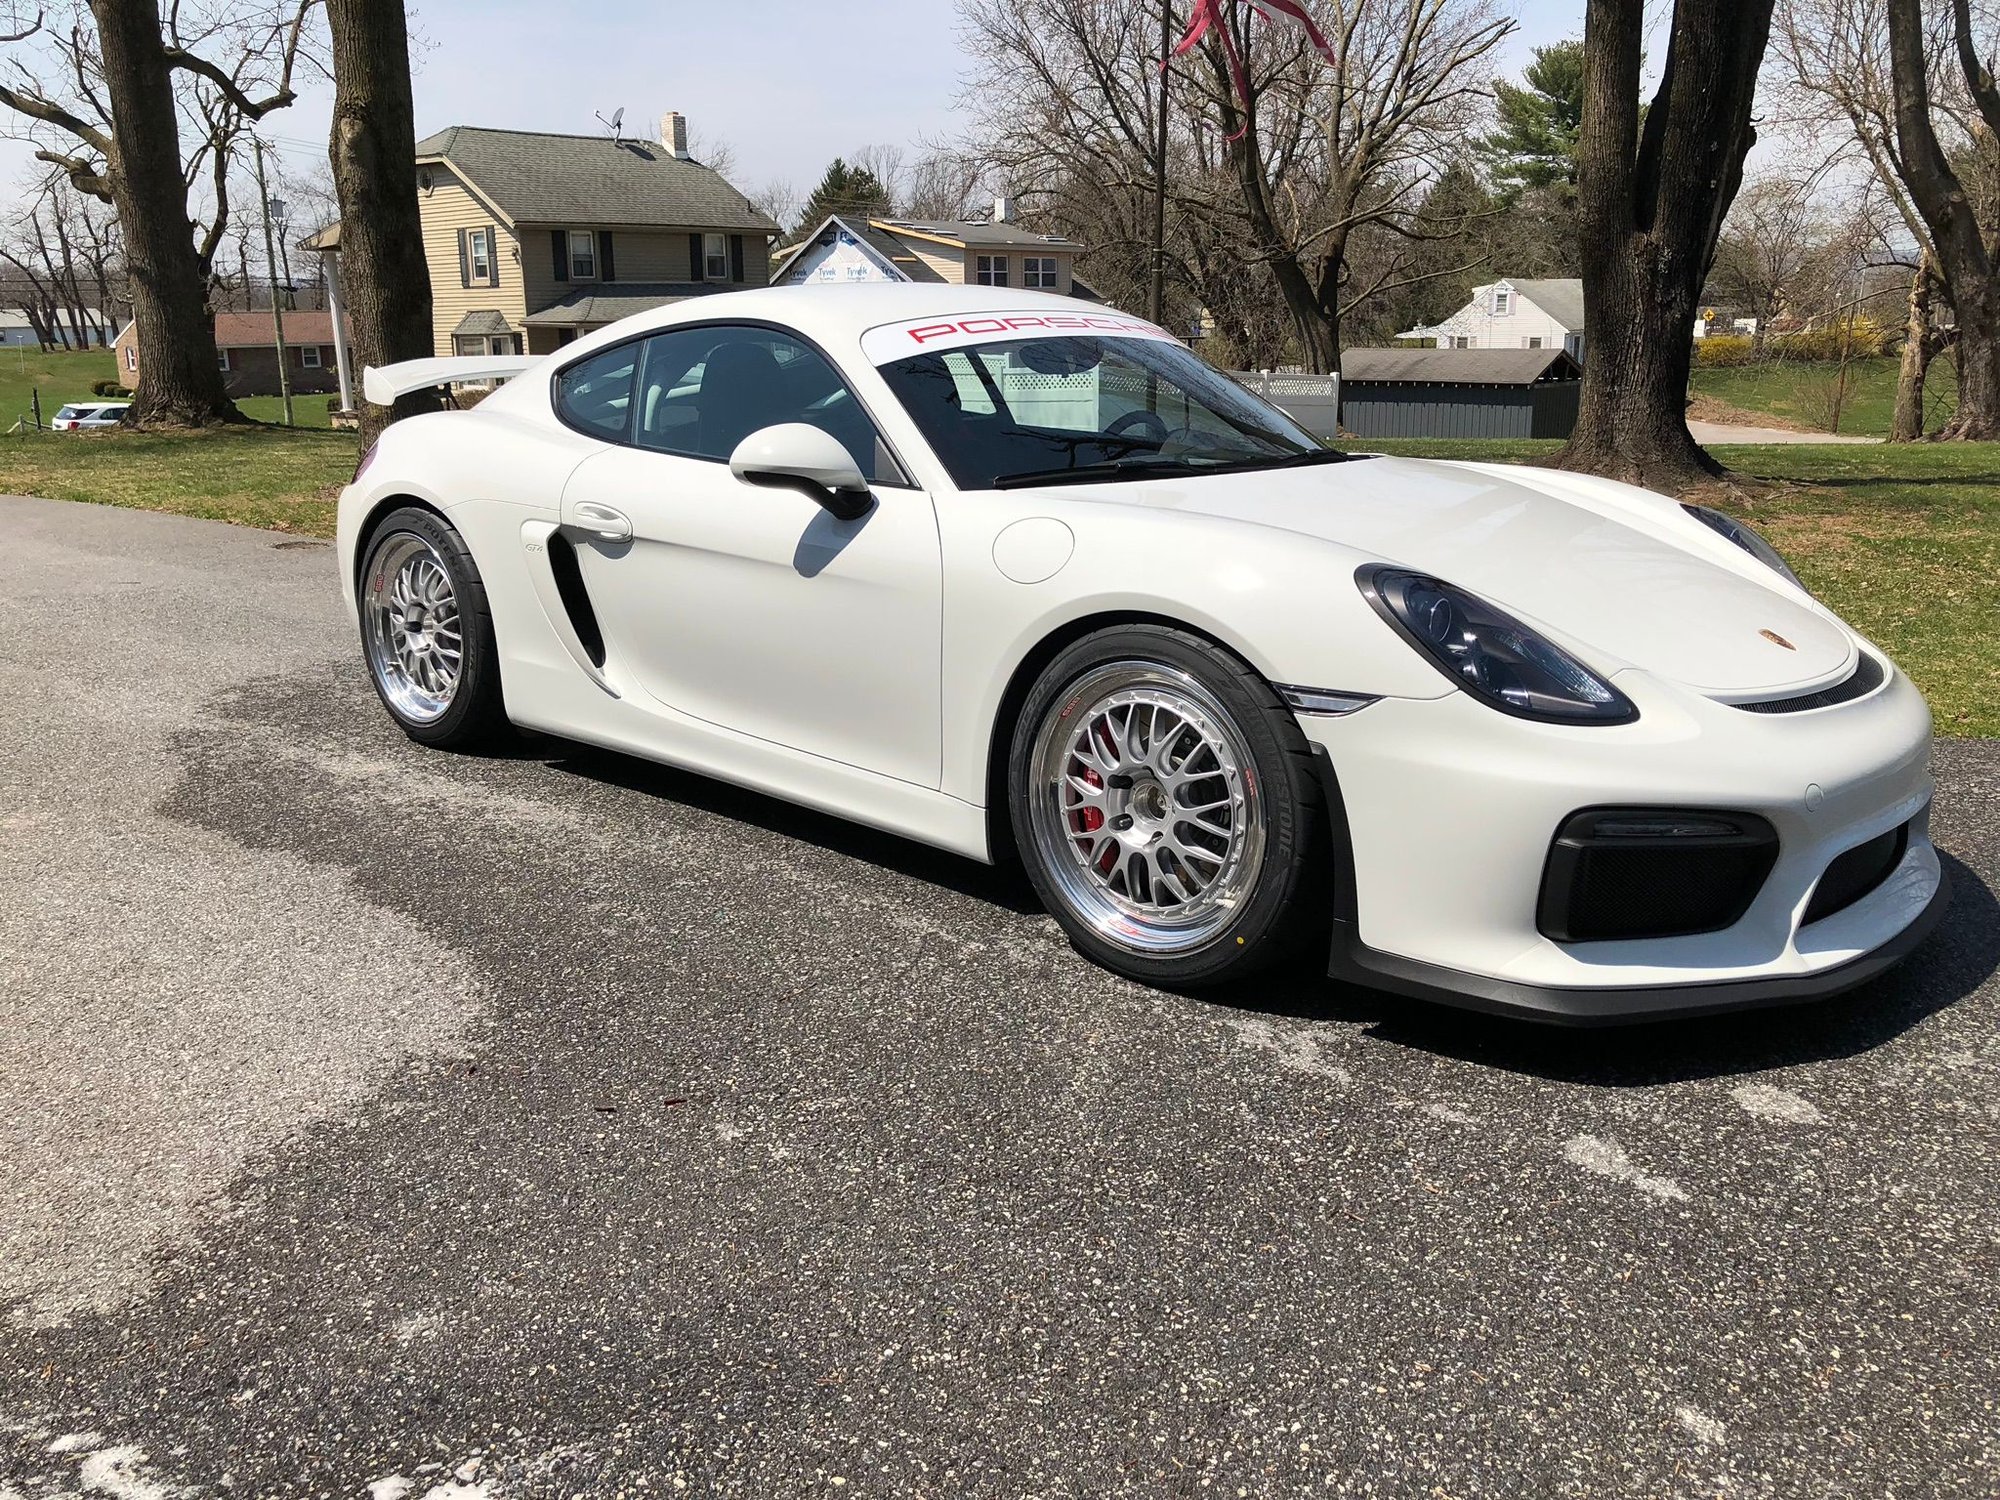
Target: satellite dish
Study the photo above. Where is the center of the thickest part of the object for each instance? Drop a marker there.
(618, 118)
(616, 124)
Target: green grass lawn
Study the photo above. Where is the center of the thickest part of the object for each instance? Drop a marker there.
(286, 480)
(67, 375)
(1902, 541)
(1799, 394)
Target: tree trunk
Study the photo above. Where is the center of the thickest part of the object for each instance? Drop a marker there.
(1964, 258)
(373, 151)
(1649, 210)
(1908, 424)
(179, 382)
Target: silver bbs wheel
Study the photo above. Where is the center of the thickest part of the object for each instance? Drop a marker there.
(415, 647)
(1145, 809)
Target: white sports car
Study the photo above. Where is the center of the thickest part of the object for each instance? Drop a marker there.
(1013, 575)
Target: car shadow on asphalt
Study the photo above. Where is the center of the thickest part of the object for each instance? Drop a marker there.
(1959, 957)
(1004, 885)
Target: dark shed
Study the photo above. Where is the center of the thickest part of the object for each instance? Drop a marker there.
(1458, 393)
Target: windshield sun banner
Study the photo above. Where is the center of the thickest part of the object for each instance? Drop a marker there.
(893, 341)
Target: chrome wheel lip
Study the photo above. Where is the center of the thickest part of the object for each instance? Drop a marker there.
(412, 630)
(1232, 860)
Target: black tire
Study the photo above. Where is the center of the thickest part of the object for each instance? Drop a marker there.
(474, 715)
(1280, 904)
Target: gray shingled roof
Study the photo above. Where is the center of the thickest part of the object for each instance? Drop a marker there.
(1455, 366)
(1561, 298)
(586, 179)
(981, 234)
(607, 302)
(483, 321)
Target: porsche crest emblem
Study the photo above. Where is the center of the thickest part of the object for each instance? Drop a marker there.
(1777, 640)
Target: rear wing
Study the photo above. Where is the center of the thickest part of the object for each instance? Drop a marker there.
(382, 385)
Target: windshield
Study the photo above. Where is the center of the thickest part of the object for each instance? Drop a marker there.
(1018, 412)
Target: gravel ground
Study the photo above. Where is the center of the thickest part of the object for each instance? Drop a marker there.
(380, 1122)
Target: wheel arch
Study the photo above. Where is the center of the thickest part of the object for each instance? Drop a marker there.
(999, 827)
(377, 513)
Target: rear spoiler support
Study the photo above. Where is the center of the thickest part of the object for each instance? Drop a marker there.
(384, 384)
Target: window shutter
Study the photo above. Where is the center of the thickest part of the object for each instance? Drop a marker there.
(559, 240)
(493, 255)
(464, 261)
(606, 270)
(696, 270)
(736, 257)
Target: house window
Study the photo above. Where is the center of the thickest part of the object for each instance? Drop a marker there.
(565, 336)
(132, 356)
(479, 250)
(715, 257)
(1533, 341)
(991, 270)
(1460, 341)
(222, 359)
(1038, 271)
(501, 343)
(309, 356)
(582, 255)
(471, 344)
(1503, 302)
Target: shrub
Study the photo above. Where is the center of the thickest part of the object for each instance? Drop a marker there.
(109, 388)
(1723, 349)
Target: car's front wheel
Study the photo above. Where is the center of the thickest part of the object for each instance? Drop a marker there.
(1164, 804)
(427, 635)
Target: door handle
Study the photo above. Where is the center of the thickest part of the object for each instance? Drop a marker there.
(602, 522)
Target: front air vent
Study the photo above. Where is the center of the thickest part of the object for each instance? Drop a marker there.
(575, 598)
(1652, 872)
(1856, 873)
(1867, 676)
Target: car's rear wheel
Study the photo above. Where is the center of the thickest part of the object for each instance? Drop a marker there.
(427, 635)
(1164, 804)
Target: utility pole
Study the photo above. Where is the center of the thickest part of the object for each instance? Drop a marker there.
(271, 268)
(1156, 298)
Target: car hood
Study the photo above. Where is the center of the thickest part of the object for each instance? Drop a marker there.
(1620, 573)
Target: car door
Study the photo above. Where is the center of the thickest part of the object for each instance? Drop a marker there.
(750, 607)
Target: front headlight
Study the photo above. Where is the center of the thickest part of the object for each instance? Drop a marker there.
(1744, 537)
(1490, 654)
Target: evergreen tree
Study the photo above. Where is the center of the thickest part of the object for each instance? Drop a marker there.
(855, 191)
(1535, 146)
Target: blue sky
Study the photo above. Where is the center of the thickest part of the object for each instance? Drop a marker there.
(789, 84)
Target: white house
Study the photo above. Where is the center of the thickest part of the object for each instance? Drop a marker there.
(16, 329)
(1511, 314)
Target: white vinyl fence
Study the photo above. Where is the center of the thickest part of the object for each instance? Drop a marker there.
(1313, 401)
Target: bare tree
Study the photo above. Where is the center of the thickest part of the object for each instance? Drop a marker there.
(112, 125)
(1959, 245)
(1320, 151)
(383, 275)
(1650, 206)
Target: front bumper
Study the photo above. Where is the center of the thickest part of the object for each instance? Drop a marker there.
(1443, 812)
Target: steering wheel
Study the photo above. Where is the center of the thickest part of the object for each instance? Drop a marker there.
(1154, 423)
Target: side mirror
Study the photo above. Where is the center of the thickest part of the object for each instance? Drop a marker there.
(795, 455)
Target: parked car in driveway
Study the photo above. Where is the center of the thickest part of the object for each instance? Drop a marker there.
(87, 416)
(1014, 575)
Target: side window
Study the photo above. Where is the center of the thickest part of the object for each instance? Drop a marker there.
(702, 391)
(595, 395)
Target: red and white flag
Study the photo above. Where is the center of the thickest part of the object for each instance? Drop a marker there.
(1208, 13)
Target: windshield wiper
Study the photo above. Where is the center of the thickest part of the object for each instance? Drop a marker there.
(1162, 468)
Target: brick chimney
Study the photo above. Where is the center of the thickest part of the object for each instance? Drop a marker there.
(674, 133)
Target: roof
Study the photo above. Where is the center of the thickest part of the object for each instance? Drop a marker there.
(899, 255)
(1561, 297)
(325, 239)
(484, 321)
(607, 302)
(252, 330)
(589, 179)
(978, 234)
(1455, 366)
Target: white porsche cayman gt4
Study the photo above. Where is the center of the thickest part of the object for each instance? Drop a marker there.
(1014, 575)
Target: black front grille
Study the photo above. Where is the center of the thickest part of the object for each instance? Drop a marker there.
(1856, 873)
(1646, 872)
(1863, 680)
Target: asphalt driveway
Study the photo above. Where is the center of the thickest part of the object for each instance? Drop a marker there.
(375, 1122)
